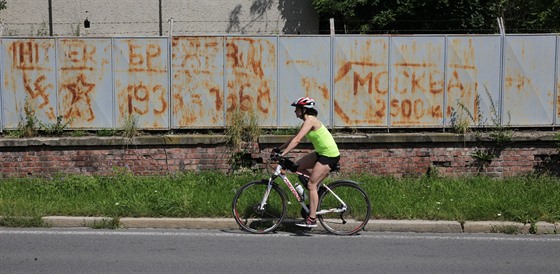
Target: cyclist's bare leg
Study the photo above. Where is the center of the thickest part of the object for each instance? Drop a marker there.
(307, 162)
(319, 173)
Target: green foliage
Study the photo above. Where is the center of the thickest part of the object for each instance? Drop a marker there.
(3, 4)
(106, 223)
(27, 127)
(440, 16)
(242, 133)
(525, 199)
(107, 132)
(78, 133)
(130, 127)
(56, 129)
(242, 127)
(19, 221)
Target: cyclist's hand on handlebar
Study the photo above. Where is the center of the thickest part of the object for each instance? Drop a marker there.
(276, 154)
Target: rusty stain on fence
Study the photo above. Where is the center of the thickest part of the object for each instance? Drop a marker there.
(418, 82)
(81, 70)
(462, 82)
(251, 63)
(144, 93)
(361, 82)
(197, 87)
(31, 58)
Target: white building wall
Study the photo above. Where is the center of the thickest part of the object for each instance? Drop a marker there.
(142, 17)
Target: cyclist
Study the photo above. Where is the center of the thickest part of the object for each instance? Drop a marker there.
(316, 164)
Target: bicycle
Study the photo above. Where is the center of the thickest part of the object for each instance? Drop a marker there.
(259, 207)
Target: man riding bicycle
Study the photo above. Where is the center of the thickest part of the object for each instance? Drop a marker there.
(316, 164)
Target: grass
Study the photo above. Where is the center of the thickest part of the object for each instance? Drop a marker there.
(522, 199)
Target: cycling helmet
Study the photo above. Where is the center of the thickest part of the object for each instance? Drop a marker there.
(305, 102)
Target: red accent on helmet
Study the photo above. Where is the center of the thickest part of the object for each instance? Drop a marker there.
(305, 102)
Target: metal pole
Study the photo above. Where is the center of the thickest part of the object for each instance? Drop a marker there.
(50, 19)
(160, 20)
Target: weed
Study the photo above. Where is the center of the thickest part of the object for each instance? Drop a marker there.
(110, 223)
(242, 127)
(56, 129)
(243, 133)
(284, 131)
(107, 132)
(483, 155)
(12, 221)
(130, 127)
(78, 133)
(506, 229)
(27, 127)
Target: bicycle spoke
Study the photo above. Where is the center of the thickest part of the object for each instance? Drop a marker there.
(348, 218)
(250, 215)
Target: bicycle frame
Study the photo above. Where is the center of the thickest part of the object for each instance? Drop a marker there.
(278, 172)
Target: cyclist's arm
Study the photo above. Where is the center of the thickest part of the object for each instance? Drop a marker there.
(294, 142)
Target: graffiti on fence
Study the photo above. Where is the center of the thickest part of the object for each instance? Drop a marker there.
(197, 91)
(251, 76)
(32, 72)
(377, 81)
(142, 82)
(361, 82)
(84, 82)
(418, 82)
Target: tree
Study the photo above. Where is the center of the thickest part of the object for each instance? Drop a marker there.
(440, 16)
(2, 4)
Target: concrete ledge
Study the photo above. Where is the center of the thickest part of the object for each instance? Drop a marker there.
(496, 227)
(414, 226)
(194, 139)
(63, 221)
(547, 228)
(192, 223)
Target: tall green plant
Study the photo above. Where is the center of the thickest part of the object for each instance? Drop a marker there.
(242, 131)
(242, 127)
(130, 128)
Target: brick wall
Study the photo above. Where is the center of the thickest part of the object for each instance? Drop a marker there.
(384, 154)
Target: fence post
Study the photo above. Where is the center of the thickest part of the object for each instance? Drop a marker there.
(502, 68)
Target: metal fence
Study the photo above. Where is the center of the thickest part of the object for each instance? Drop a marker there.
(194, 82)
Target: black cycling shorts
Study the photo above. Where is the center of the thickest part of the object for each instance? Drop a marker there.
(331, 161)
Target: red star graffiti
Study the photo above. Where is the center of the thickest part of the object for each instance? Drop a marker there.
(80, 101)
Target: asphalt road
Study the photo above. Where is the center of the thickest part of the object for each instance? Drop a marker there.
(58, 250)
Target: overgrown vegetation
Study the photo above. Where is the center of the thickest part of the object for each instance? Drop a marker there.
(30, 126)
(525, 199)
(242, 134)
(130, 129)
(499, 135)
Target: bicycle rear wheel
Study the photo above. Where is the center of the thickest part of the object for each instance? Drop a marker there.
(356, 215)
(247, 212)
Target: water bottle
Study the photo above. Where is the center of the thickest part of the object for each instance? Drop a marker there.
(300, 191)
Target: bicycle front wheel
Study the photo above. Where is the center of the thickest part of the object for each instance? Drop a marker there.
(249, 213)
(341, 220)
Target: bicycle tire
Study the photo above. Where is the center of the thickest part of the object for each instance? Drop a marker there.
(358, 212)
(245, 207)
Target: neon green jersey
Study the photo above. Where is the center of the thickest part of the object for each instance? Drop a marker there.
(323, 142)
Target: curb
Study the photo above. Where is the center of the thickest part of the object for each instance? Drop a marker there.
(419, 226)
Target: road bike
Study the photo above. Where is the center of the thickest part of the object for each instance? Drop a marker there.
(344, 208)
